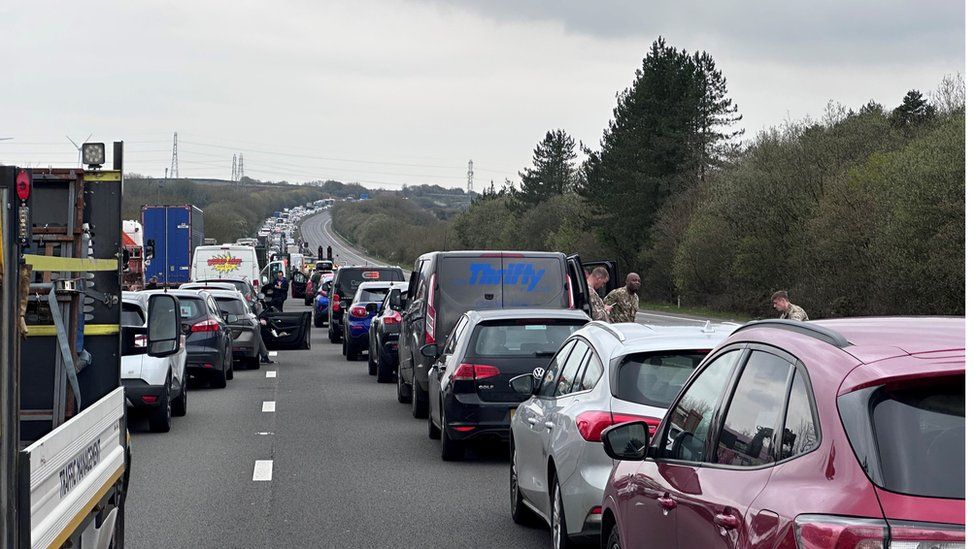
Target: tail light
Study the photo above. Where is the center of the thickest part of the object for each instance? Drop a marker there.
(392, 319)
(208, 325)
(473, 372)
(591, 424)
(256, 284)
(833, 532)
(139, 341)
(358, 312)
(150, 399)
(431, 320)
(335, 303)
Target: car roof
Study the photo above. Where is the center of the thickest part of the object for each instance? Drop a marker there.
(200, 294)
(226, 293)
(207, 284)
(613, 340)
(478, 316)
(382, 284)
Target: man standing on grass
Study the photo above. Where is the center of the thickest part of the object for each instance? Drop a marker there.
(624, 301)
(781, 302)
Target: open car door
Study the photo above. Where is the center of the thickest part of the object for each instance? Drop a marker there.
(611, 267)
(286, 330)
(577, 282)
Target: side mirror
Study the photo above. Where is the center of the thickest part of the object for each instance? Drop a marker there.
(395, 299)
(429, 351)
(523, 384)
(264, 280)
(163, 332)
(371, 308)
(627, 442)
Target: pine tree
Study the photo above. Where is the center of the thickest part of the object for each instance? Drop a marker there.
(913, 111)
(553, 171)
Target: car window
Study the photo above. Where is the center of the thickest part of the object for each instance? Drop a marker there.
(453, 337)
(132, 315)
(212, 305)
(654, 379)
(591, 375)
(691, 418)
(521, 338)
(373, 294)
(801, 434)
(549, 379)
(191, 308)
(746, 438)
(231, 306)
(569, 372)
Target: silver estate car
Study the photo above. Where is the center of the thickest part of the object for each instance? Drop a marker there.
(602, 375)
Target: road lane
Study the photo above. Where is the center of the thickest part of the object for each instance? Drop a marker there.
(317, 230)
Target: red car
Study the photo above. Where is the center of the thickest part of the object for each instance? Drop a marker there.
(844, 433)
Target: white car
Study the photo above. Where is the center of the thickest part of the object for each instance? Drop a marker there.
(602, 375)
(153, 386)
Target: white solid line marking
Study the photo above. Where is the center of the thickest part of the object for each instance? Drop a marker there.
(273, 353)
(262, 470)
(271, 373)
(268, 406)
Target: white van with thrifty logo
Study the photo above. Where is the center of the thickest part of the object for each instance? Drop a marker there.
(226, 262)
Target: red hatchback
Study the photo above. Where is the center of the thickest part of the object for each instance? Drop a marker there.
(845, 434)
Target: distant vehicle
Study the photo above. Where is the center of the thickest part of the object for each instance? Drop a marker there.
(444, 285)
(362, 308)
(470, 395)
(299, 283)
(384, 337)
(324, 265)
(605, 374)
(133, 270)
(226, 261)
(209, 351)
(245, 330)
(247, 241)
(251, 296)
(322, 297)
(209, 241)
(173, 233)
(345, 284)
(154, 386)
(835, 433)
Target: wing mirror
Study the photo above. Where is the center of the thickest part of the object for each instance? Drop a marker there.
(524, 384)
(163, 332)
(371, 308)
(395, 299)
(429, 351)
(626, 442)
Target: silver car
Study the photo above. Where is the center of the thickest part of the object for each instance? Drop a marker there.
(602, 375)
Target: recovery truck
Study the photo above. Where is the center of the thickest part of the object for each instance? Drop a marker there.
(64, 445)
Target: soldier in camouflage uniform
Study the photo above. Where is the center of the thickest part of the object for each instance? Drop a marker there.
(625, 301)
(598, 278)
(787, 310)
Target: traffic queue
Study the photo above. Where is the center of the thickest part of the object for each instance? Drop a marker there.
(775, 433)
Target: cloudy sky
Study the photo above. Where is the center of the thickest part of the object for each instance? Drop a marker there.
(388, 92)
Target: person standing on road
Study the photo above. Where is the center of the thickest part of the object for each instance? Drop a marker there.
(153, 284)
(624, 301)
(320, 252)
(790, 311)
(597, 279)
(280, 290)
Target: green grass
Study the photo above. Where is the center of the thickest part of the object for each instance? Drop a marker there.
(662, 307)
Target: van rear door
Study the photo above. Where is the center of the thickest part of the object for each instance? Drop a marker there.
(536, 281)
(465, 283)
(611, 267)
(577, 281)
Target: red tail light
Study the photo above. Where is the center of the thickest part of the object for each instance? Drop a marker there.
(139, 341)
(150, 399)
(358, 312)
(431, 321)
(833, 532)
(335, 303)
(206, 326)
(392, 319)
(473, 372)
(256, 283)
(591, 424)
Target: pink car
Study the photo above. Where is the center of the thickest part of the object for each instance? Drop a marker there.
(844, 433)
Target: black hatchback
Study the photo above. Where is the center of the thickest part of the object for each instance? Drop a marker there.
(344, 285)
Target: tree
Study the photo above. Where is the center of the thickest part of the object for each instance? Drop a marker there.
(913, 111)
(553, 171)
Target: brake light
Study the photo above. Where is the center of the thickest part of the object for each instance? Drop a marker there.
(473, 372)
(591, 424)
(833, 532)
(335, 303)
(149, 399)
(256, 283)
(139, 341)
(208, 325)
(392, 319)
(431, 320)
(358, 312)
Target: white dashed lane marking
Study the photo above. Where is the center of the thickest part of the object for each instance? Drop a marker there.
(268, 406)
(271, 373)
(273, 353)
(262, 470)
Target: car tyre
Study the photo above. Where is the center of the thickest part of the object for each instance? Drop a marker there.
(370, 363)
(230, 364)
(179, 404)
(160, 419)
(403, 393)
(433, 432)
(451, 450)
(318, 323)
(254, 362)
(349, 350)
(520, 512)
(307, 342)
(557, 519)
(334, 336)
(613, 540)
(219, 379)
(418, 405)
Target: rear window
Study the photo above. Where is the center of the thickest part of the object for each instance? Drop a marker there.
(654, 379)
(535, 282)
(348, 280)
(191, 307)
(920, 437)
(374, 294)
(231, 306)
(528, 338)
(132, 315)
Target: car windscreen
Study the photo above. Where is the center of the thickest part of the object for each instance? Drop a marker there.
(920, 434)
(132, 315)
(654, 379)
(373, 294)
(521, 338)
(231, 306)
(192, 307)
(348, 280)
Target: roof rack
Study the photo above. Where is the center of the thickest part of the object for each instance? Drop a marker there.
(610, 330)
(813, 330)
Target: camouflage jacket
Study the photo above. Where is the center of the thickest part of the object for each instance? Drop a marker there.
(625, 305)
(598, 310)
(795, 312)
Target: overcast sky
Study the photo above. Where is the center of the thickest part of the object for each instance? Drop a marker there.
(407, 91)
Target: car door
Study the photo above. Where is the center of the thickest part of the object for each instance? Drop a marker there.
(740, 455)
(531, 435)
(649, 508)
(558, 424)
(577, 284)
(442, 369)
(611, 266)
(411, 336)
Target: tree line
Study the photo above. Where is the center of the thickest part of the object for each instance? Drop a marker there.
(860, 212)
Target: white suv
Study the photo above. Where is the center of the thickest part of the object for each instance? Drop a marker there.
(602, 375)
(153, 386)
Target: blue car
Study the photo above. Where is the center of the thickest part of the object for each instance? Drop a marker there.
(362, 309)
(323, 298)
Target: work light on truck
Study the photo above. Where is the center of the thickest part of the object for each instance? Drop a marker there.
(93, 154)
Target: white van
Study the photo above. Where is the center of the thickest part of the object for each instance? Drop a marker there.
(226, 262)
